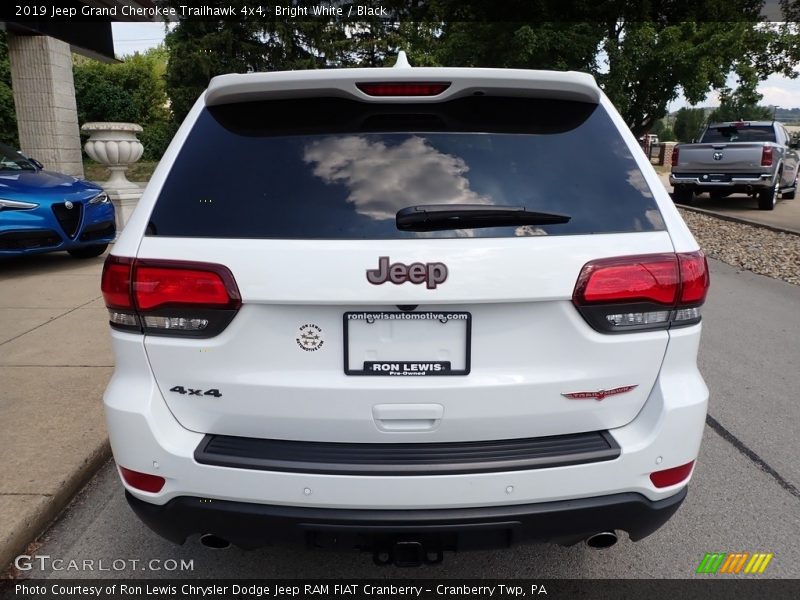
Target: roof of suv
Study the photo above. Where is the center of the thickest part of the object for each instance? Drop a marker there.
(566, 85)
(742, 122)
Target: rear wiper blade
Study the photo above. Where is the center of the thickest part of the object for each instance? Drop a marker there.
(437, 217)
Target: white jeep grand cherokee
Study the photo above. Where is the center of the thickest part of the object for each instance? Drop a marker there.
(406, 310)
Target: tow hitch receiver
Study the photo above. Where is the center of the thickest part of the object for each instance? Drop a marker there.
(407, 554)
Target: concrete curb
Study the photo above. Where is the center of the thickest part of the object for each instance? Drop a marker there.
(717, 215)
(31, 526)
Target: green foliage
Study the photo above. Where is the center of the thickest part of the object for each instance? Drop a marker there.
(131, 91)
(200, 49)
(8, 114)
(741, 103)
(667, 135)
(128, 91)
(663, 131)
(155, 138)
(644, 54)
(688, 123)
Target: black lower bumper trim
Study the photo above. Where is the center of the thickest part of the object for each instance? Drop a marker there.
(420, 458)
(250, 525)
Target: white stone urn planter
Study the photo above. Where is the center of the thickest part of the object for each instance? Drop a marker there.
(116, 146)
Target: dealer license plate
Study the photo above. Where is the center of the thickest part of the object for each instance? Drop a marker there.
(407, 344)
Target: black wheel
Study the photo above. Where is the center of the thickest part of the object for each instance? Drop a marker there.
(683, 194)
(767, 199)
(88, 251)
(790, 194)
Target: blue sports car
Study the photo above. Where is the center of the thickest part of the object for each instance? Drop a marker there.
(43, 211)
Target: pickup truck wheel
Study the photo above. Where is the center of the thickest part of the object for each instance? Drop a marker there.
(767, 199)
(683, 195)
(790, 194)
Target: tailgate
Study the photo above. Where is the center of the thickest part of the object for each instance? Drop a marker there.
(528, 344)
(720, 158)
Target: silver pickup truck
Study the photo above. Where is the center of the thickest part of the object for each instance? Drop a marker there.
(758, 158)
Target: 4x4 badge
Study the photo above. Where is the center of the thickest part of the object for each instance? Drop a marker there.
(432, 274)
(599, 394)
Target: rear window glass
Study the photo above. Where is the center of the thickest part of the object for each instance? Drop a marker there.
(341, 169)
(746, 133)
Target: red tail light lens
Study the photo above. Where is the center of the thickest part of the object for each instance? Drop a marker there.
(675, 153)
(766, 156)
(169, 297)
(403, 88)
(116, 282)
(668, 477)
(694, 277)
(635, 293)
(652, 278)
(159, 285)
(142, 481)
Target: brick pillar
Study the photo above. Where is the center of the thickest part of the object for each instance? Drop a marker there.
(44, 96)
(668, 149)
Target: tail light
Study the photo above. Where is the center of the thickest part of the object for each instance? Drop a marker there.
(766, 156)
(169, 297)
(635, 293)
(142, 481)
(668, 477)
(403, 88)
(675, 154)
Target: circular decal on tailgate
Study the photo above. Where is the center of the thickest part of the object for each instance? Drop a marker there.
(309, 337)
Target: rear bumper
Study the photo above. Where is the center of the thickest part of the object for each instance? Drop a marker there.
(251, 525)
(736, 182)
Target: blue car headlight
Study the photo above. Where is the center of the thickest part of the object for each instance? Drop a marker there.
(101, 198)
(16, 205)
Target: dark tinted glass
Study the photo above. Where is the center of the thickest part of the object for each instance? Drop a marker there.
(755, 133)
(340, 169)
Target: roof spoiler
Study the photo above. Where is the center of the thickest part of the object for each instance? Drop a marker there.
(341, 83)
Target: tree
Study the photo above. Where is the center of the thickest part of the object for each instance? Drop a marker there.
(643, 54)
(741, 103)
(650, 51)
(201, 48)
(8, 113)
(688, 123)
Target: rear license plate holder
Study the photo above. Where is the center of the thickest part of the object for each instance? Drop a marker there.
(719, 178)
(426, 323)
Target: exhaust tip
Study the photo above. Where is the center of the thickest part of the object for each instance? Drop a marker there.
(604, 539)
(209, 540)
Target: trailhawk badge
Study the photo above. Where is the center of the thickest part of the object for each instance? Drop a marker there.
(431, 274)
(599, 394)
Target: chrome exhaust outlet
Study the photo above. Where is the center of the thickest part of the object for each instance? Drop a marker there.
(209, 540)
(604, 539)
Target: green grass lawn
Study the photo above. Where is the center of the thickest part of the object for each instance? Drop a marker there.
(140, 171)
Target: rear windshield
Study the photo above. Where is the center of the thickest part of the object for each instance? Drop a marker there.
(340, 169)
(740, 133)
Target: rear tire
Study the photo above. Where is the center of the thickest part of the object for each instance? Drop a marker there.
(683, 195)
(88, 251)
(790, 194)
(767, 199)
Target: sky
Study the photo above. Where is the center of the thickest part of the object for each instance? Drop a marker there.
(777, 90)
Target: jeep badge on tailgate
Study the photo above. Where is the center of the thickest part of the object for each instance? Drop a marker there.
(432, 274)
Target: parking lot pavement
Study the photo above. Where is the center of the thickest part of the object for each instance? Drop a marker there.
(55, 361)
(785, 216)
(743, 496)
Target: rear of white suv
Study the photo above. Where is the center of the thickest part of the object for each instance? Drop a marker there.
(405, 310)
